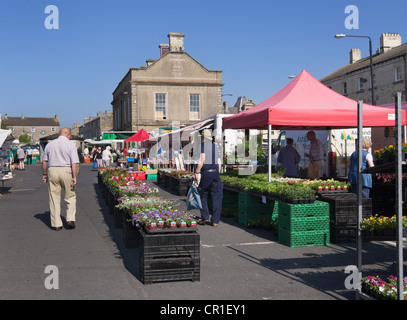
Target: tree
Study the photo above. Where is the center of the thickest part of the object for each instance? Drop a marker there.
(24, 138)
(4, 124)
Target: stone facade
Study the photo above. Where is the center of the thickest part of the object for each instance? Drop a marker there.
(93, 127)
(174, 87)
(35, 127)
(389, 77)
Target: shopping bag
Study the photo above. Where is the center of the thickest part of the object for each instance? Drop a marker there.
(95, 166)
(193, 198)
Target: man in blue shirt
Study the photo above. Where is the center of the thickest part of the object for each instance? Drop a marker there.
(289, 158)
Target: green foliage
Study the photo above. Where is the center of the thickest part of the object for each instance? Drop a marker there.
(24, 138)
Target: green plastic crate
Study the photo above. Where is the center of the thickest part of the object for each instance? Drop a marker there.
(230, 207)
(304, 225)
(302, 211)
(304, 239)
(252, 207)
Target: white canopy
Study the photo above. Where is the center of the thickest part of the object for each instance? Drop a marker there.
(3, 135)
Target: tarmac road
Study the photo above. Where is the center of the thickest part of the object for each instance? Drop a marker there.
(92, 263)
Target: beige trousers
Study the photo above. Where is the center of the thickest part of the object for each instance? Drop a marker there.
(315, 169)
(59, 178)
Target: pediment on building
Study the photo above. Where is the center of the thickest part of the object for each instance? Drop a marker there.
(178, 66)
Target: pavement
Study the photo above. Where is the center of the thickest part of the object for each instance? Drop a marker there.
(91, 262)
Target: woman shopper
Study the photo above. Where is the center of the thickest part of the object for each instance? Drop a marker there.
(367, 162)
(97, 156)
(107, 157)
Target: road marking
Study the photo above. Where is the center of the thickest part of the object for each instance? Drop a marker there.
(237, 244)
(15, 190)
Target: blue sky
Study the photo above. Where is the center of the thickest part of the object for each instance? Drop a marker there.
(257, 44)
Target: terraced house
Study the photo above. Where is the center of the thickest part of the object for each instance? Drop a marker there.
(35, 127)
(389, 77)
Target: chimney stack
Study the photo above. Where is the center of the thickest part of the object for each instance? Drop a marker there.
(355, 55)
(176, 41)
(164, 48)
(388, 41)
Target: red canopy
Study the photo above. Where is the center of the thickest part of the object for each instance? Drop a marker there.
(139, 136)
(304, 104)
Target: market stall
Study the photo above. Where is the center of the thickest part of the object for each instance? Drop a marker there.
(307, 104)
(168, 146)
(139, 137)
(6, 156)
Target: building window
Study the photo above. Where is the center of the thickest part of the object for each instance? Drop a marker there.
(345, 88)
(32, 129)
(194, 107)
(129, 110)
(53, 129)
(160, 106)
(124, 112)
(397, 74)
(361, 82)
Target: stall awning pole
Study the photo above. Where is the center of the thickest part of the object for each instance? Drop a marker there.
(269, 152)
(359, 186)
(399, 208)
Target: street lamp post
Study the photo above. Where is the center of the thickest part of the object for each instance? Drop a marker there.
(340, 36)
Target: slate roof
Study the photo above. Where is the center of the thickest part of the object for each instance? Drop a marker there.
(32, 122)
(56, 135)
(365, 62)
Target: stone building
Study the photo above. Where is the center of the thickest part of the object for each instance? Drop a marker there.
(93, 127)
(174, 87)
(389, 77)
(35, 127)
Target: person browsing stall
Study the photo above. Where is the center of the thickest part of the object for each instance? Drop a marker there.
(316, 156)
(289, 158)
(367, 162)
(208, 170)
(60, 167)
(21, 157)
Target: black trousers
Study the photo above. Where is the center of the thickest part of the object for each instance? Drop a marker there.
(213, 186)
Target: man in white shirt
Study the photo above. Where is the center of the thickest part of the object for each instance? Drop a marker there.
(60, 169)
(316, 157)
(29, 155)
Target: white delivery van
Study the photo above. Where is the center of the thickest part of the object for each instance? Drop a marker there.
(338, 144)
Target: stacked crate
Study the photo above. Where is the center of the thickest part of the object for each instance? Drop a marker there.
(169, 257)
(343, 210)
(302, 225)
(251, 207)
(230, 203)
(131, 235)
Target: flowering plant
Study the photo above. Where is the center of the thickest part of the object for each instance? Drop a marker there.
(136, 204)
(389, 151)
(378, 287)
(389, 177)
(181, 174)
(377, 222)
(138, 188)
(145, 218)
